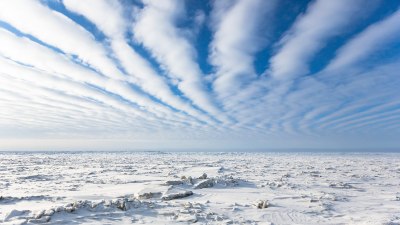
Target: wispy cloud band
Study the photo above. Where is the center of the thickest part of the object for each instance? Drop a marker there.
(137, 69)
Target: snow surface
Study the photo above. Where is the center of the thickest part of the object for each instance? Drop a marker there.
(202, 188)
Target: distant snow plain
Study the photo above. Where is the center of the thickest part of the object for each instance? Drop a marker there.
(201, 188)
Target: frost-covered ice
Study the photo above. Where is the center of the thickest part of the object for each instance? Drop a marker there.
(203, 188)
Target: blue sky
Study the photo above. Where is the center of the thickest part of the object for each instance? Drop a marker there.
(211, 75)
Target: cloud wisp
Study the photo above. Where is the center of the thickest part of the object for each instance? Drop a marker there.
(199, 71)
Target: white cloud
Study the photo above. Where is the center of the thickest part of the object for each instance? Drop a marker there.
(55, 29)
(135, 65)
(311, 32)
(58, 65)
(362, 46)
(156, 29)
(237, 37)
(108, 15)
(152, 87)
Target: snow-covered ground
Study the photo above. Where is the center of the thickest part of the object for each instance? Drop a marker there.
(206, 188)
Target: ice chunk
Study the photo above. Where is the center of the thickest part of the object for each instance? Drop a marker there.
(204, 184)
(177, 195)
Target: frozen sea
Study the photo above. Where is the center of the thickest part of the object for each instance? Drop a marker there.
(202, 188)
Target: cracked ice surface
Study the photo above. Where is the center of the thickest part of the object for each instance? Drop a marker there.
(203, 188)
